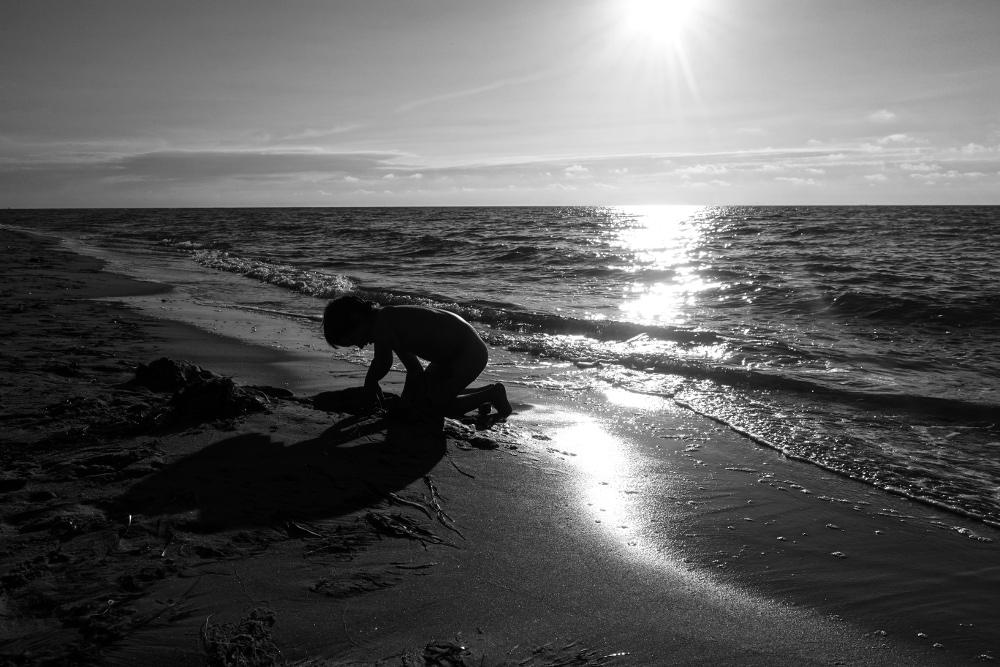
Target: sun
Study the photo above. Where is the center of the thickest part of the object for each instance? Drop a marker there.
(656, 40)
(659, 19)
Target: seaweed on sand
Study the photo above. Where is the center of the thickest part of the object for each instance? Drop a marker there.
(397, 525)
(246, 643)
(443, 654)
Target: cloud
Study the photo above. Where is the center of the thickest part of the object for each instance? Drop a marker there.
(188, 177)
(702, 169)
(208, 165)
(703, 184)
(975, 149)
(281, 176)
(882, 116)
(900, 139)
(307, 136)
(909, 166)
(951, 175)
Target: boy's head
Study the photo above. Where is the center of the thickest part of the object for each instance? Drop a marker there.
(345, 319)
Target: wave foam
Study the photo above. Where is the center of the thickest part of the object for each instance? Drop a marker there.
(313, 283)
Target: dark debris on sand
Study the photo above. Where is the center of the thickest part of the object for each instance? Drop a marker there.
(455, 653)
(246, 643)
(200, 395)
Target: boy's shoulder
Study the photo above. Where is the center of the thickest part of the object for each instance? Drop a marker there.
(401, 320)
(386, 319)
(406, 311)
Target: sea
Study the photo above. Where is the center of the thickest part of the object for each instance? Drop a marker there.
(865, 340)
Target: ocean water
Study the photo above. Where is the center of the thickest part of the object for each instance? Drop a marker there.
(865, 340)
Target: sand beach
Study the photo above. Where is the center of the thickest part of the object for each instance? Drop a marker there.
(173, 496)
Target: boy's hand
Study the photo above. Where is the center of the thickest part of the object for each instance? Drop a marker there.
(370, 401)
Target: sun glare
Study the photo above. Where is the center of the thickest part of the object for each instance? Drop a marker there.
(659, 19)
(657, 38)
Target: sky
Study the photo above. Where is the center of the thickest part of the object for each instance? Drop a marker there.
(137, 103)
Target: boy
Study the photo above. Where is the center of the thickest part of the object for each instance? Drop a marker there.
(455, 352)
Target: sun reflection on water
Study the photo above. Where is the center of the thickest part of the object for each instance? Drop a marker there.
(634, 400)
(618, 490)
(590, 447)
(601, 458)
(664, 242)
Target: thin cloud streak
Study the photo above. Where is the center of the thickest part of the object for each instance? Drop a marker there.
(471, 92)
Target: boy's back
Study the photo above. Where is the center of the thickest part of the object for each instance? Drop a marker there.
(432, 334)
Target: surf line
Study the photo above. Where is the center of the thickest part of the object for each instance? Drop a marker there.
(270, 311)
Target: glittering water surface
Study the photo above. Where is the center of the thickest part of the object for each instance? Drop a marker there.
(863, 339)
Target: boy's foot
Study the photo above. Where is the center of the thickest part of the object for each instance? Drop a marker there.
(498, 397)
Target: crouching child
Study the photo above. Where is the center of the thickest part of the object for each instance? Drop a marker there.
(454, 352)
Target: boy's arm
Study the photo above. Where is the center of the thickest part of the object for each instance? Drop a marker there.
(414, 371)
(381, 364)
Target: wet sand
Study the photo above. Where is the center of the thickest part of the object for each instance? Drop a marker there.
(172, 527)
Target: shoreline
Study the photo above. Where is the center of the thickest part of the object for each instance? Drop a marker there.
(807, 537)
(902, 493)
(519, 504)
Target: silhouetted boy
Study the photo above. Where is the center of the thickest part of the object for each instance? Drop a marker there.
(455, 353)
